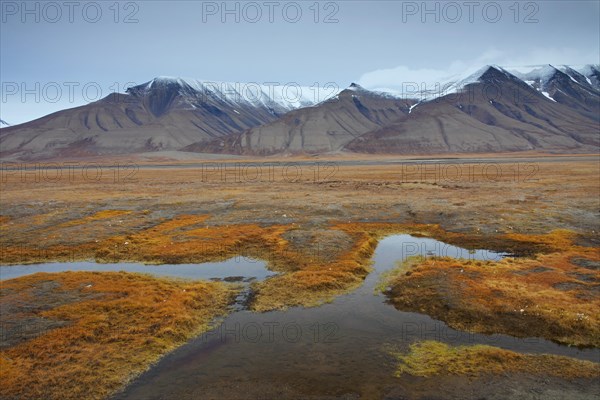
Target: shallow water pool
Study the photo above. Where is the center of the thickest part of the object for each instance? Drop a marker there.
(236, 268)
(338, 350)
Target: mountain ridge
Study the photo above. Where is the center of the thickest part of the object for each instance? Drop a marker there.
(493, 109)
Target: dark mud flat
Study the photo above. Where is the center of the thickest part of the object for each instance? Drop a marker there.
(341, 350)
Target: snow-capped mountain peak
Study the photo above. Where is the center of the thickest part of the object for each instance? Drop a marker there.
(488, 74)
(592, 74)
(355, 86)
(541, 77)
(283, 97)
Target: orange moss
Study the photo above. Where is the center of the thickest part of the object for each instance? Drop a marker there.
(432, 358)
(100, 215)
(127, 323)
(189, 238)
(544, 296)
(508, 243)
(316, 282)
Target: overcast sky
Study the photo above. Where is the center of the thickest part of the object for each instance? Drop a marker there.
(85, 46)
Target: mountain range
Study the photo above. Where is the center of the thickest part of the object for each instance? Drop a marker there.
(496, 109)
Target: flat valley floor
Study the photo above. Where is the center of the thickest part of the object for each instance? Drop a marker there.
(317, 223)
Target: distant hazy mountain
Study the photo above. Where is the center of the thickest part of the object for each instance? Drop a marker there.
(491, 110)
(163, 114)
(496, 111)
(539, 108)
(328, 126)
(592, 74)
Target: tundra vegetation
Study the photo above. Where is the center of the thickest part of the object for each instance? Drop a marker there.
(318, 232)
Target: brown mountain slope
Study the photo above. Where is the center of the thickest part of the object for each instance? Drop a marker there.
(498, 112)
(491, 111)
(163, 114)
(326, 127)
(548, 109)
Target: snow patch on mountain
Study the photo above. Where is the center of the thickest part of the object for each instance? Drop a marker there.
(428, 91)
(536, 76)
(592, 74)
(539, 77)
(452, 87)
(289, 96)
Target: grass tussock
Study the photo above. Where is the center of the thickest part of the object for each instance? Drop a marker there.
(187, 238)
(98, 216)
(517, 244)
(306, 280)
(546, 296)
(118, 325)
(431, 358)
(386, 277)
(182, 239)
(319, 281)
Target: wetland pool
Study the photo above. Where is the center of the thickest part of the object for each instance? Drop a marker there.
(234, 269)
(338, 350)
